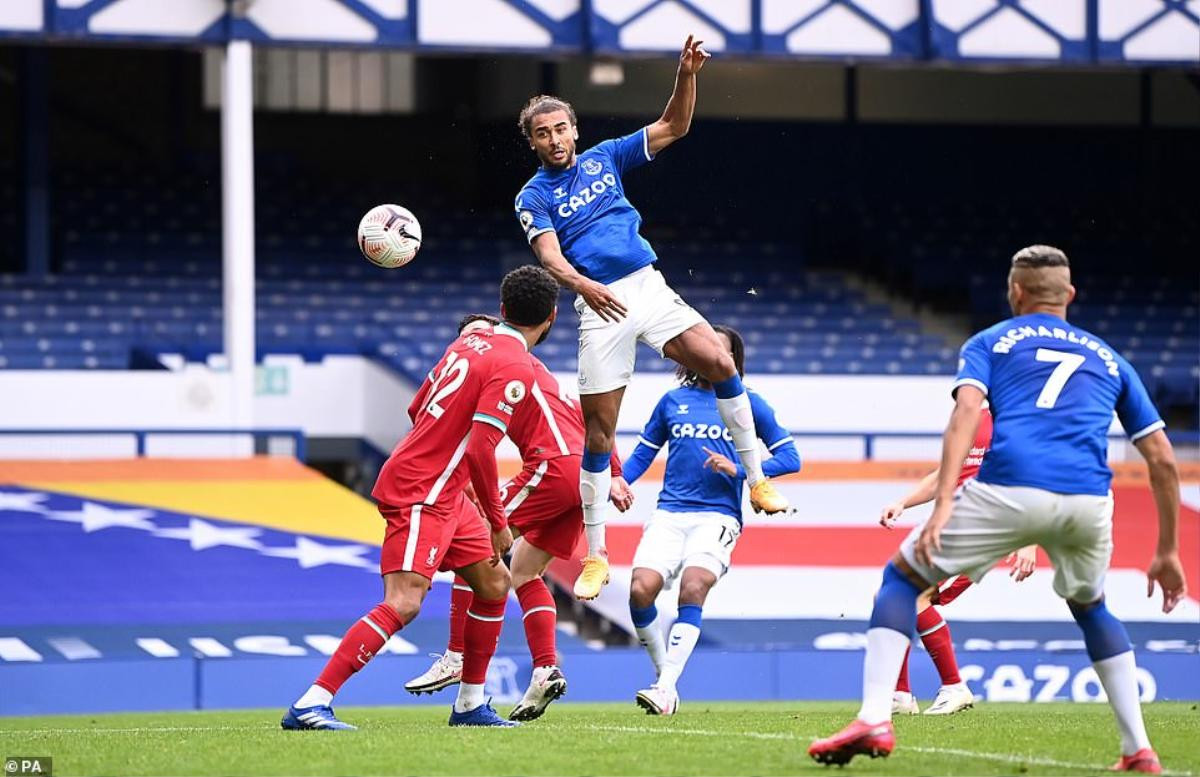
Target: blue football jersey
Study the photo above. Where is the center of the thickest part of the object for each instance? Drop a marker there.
(1053, 388)
(585, 205)
(687, 421)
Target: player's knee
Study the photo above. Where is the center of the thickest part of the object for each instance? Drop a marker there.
(599, 440)
(496, 584)
(1081, 603)
(521, 577)
(642, 592)
(405, 604)
(723, 367)
(693, 591)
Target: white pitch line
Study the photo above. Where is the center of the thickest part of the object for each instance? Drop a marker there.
(687, 731)
(804, 739)
(132, 730)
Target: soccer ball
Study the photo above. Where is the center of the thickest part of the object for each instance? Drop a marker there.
(389, 236)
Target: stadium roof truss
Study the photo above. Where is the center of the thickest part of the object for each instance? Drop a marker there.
(1033, 31)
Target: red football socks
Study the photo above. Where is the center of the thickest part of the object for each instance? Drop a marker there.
(540, 618)
(902, 681)
(363, 640)
(460, 602)
(484, 620)
(935, 635)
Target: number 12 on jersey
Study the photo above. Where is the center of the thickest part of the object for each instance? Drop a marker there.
(455, 370)
(1067, 364)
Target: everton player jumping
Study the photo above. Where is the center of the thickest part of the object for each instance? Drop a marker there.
(1053, 388)
(584, 231)
(460, 415)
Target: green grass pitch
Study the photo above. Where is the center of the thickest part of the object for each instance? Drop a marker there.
(596, 739)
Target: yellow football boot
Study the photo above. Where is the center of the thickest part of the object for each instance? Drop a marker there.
(765, 498)
(592, 577)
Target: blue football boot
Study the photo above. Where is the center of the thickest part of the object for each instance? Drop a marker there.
(483, 715)
(316, 718)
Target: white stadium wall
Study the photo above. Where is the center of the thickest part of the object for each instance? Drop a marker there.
(350, 396)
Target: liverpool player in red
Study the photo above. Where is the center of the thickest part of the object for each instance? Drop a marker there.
(953, 695)
(545, 511)
(459, 417)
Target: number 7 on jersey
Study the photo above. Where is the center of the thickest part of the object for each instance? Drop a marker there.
(1067, 364)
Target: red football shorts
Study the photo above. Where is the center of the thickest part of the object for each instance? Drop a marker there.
(431, 538)
(542, 502)
(949, 590)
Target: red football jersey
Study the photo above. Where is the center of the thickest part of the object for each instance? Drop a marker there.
(483, 376)
(551, 425)
(983, 441)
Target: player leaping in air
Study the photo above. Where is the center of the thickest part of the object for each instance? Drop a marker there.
(460, 415)
(691, 536)
(584, 231)
(544, 511)
(1053, 388)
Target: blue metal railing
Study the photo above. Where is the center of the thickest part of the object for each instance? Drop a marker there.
(299, 442)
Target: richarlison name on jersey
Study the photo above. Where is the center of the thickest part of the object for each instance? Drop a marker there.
(1016, 335)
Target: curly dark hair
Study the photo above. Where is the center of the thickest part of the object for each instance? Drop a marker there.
(539, 104)
(528, 295)
(737, 349)
(471, 318)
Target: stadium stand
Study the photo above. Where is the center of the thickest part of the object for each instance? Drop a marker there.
(140, 276)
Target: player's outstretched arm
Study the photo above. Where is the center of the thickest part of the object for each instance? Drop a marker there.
(597, 296)
(924, 491)
(1165, 569)
(956, 442)
(676, 118)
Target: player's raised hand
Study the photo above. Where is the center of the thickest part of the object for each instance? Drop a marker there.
(600, 299)
(891, 514)
(693, 56)
(620, 494)
(1167, 571)
(718, 463)
(501, 542)
(930, 539)
(1024, 562)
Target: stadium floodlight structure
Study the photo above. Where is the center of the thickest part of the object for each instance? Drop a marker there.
(237, 226)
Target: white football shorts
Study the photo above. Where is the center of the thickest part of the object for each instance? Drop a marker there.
(673, 541)
(607, 349)
(989, 522)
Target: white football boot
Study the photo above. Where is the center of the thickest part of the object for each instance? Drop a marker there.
(951, 699)
(658, 701)
(546, 685)
(446, 671)
(904, 703)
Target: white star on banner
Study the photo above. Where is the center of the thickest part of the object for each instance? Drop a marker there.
(22, 501)
(95, 517)
(314, 554)
(203, 535)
